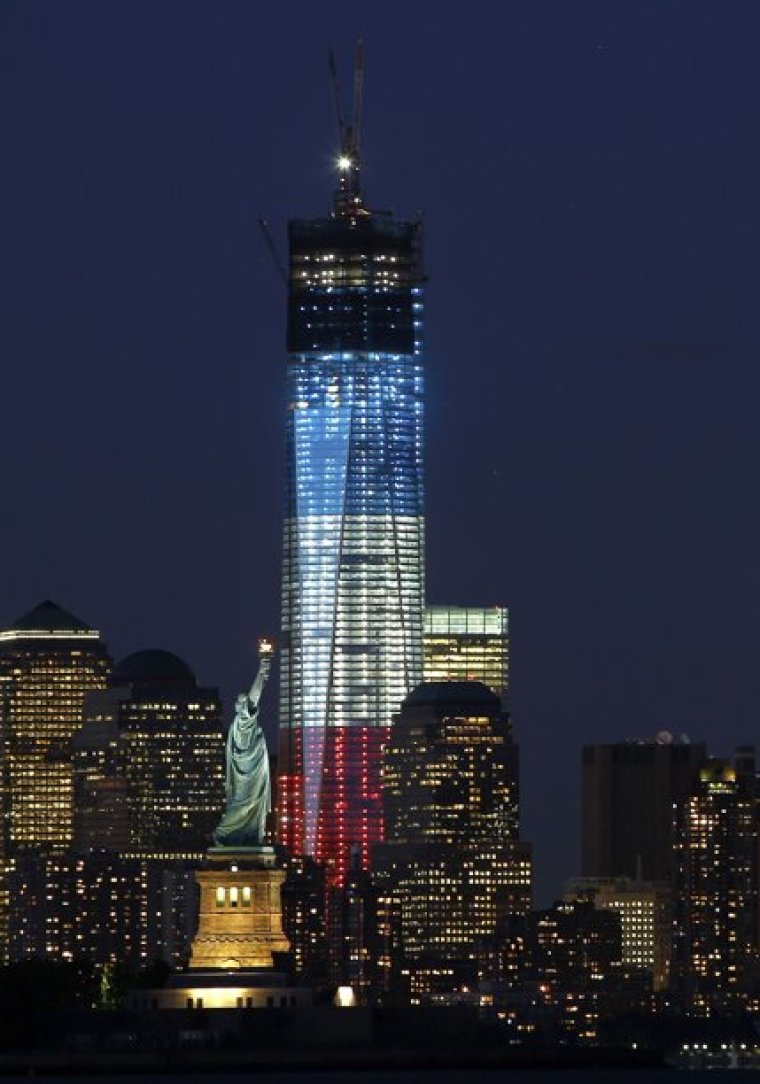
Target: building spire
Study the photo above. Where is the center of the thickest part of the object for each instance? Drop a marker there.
(348, 195)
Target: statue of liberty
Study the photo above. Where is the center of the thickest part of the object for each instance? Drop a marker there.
(247, 784)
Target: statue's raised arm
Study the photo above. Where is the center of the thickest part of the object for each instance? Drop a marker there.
(266, 651)
(247, 783)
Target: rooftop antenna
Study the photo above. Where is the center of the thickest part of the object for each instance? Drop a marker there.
(348, 198)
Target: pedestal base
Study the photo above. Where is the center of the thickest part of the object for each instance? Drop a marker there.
(240, 911)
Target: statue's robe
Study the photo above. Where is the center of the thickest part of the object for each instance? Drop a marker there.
(248, 785)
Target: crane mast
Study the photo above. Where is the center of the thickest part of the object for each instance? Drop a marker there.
(348, 198)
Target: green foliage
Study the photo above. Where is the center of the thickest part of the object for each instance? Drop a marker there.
(117, 979)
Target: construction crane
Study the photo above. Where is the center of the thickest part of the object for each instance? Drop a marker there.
(349, 133)
(263, 225)
(335, 84)
(358, 96)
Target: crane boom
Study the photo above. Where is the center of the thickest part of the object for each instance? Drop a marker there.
(263, 225)
(358, 96)
(348, 195)
(335, 84)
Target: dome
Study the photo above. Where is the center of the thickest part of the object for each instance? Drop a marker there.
(445, 693)
(152, 668)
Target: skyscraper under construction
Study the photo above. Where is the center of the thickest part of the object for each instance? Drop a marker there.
(353, 574)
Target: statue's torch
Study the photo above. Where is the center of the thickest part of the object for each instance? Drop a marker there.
(266, 648)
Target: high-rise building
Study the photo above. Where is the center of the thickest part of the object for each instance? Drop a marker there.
(149, 760)
(452, 869)
(450, 770)
(174, 752)
(101, 809)
(716, 927)
(303, 919)
(147, 767)
(468, 643)
(49, 662)
(646, 919)
(352, 606)
(628, 791)
(101, 907)
(567, 959)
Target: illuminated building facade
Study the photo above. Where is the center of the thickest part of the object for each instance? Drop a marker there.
(574, 944)
(49, 662)
(352, 943)
(303, 918)
(101, 809)
(452, 869)
(352, 605)
(628, 791)
(149, 760)
(646, 920)
(105, 908)
(716, 929)
(468, 643)
(170, 756)
(560, 971)
(240, 912)
(450, 770)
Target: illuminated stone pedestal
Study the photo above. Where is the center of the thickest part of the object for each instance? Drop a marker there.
(234, 957)
(240, 911)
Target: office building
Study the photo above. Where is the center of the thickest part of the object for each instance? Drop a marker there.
(452, 870)
(450, 770)
(716, 928)
(101, 907)
(101, 808)
(149, 760)
(173, 738)
(468, 643)
(304, 919)
(353, 591)
(646, 919)
(628, 791)
(566, 962)
(49, 662)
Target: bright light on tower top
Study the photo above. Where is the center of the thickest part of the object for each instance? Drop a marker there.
(344, 162)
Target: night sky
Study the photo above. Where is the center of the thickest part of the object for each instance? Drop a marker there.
(589, 174)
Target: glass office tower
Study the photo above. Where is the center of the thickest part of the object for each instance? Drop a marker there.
(49, 662)
(468, 643)
(353, 542)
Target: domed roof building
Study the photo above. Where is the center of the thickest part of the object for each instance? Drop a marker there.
(452, 858)
(452, 694)
(171, 737)
(153, 667)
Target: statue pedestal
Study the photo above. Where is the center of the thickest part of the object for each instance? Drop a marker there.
(240, 911)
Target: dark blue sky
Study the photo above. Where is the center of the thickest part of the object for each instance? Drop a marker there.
(589, 174)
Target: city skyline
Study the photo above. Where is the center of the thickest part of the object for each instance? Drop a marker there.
(592, 341)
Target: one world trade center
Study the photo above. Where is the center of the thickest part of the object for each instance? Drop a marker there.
(353, 568)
